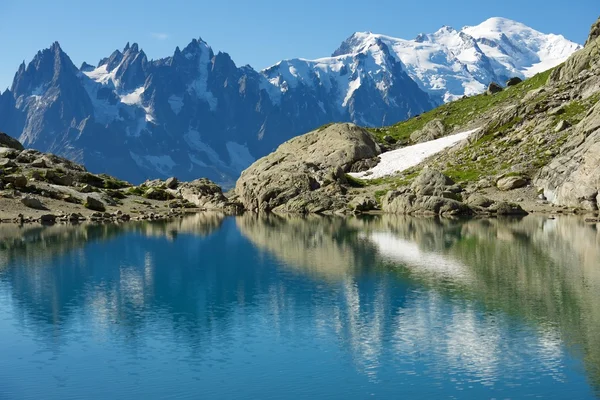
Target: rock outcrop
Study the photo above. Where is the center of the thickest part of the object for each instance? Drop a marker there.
(434, 129)
(9, 142)
(32, 184)
(206, 194)
(304, 174)
(573, 177)
(494, 88)
(594, 33)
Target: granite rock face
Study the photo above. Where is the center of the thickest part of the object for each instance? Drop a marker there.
(305, 173)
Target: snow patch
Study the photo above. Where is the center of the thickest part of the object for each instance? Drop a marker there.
(402, 159)
(163, 164)
(176, 103)
(134, 97)
(239, 155)
(355, 84)
(194, 140)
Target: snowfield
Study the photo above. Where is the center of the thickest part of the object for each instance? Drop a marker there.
(402, 159)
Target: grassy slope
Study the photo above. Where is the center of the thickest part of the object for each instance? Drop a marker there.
(490, 148)
(461, 113)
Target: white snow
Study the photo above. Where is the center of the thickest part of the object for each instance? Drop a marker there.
(355, 84)
(162, 163)
(200, 85)
(194, 140)
(134, 97)
(448, 63)
(176, 103)
(239, 155)
(404, 158)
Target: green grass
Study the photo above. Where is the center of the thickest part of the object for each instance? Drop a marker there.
(355, 182)
(461, 112)
(113, 183)
(136, 191)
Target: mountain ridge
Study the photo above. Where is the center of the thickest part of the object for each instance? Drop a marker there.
(196, 113)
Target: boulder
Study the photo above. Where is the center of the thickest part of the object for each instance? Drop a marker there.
(86, 188)
(39, 163)
(37, 175)
(27, 156)
(156, 193)
(203, 193)
(32, 202)
(511, 182)
(561, 126)
(9, 142)
(397, 202)
(477, 200)
(48, 218)
(94, 204)
(513, 81)
(313, 163)
(389, 140)
(172, 183)
(493, 88)
(18, 181)
(363, 203)
(434, 129)
(59, 178)
(431, 182)
(7, 163)
(504, 208)
(7, 152)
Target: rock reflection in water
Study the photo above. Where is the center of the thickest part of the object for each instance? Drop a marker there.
(421, 305)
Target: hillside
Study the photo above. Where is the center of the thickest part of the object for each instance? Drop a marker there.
(535, 146)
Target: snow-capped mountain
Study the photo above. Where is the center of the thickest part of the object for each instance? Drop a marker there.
(449, 63)
(196, 113)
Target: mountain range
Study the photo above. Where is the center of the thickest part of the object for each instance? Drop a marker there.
(197, 114)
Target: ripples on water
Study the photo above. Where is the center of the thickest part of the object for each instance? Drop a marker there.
(272, 308)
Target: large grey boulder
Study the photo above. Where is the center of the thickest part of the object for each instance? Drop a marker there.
(204, 194)
(32, 202)
(172, 183)
(313, 163)
(397, 202)
(511, 182)
(431, 182)
(430, 193)
(94, 204)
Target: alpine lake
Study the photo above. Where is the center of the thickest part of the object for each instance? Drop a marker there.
(271, 307)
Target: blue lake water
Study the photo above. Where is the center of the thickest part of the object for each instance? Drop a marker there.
(254, 307)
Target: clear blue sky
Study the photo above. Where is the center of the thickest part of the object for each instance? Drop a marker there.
(257, 32)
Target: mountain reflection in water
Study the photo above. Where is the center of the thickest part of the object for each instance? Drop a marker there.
(309, 306)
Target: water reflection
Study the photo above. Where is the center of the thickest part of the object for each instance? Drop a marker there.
(445, 306)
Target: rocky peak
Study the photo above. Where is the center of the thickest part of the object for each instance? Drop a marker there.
(49, 67)
(352, 44)
(594, 32)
